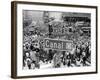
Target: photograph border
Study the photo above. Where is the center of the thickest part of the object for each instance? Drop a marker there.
(14, 37)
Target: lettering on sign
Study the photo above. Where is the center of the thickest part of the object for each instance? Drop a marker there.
(58, 44)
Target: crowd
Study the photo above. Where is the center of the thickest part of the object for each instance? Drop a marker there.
(80, 55)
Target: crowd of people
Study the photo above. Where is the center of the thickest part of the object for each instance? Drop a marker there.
(34, 55)
(80, 55)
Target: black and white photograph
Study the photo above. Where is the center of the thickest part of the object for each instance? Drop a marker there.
(53, 39)
(56, 39)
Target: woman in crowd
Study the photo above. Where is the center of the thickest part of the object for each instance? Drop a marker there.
(34, 55)
(57, 59)
(27, 60)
